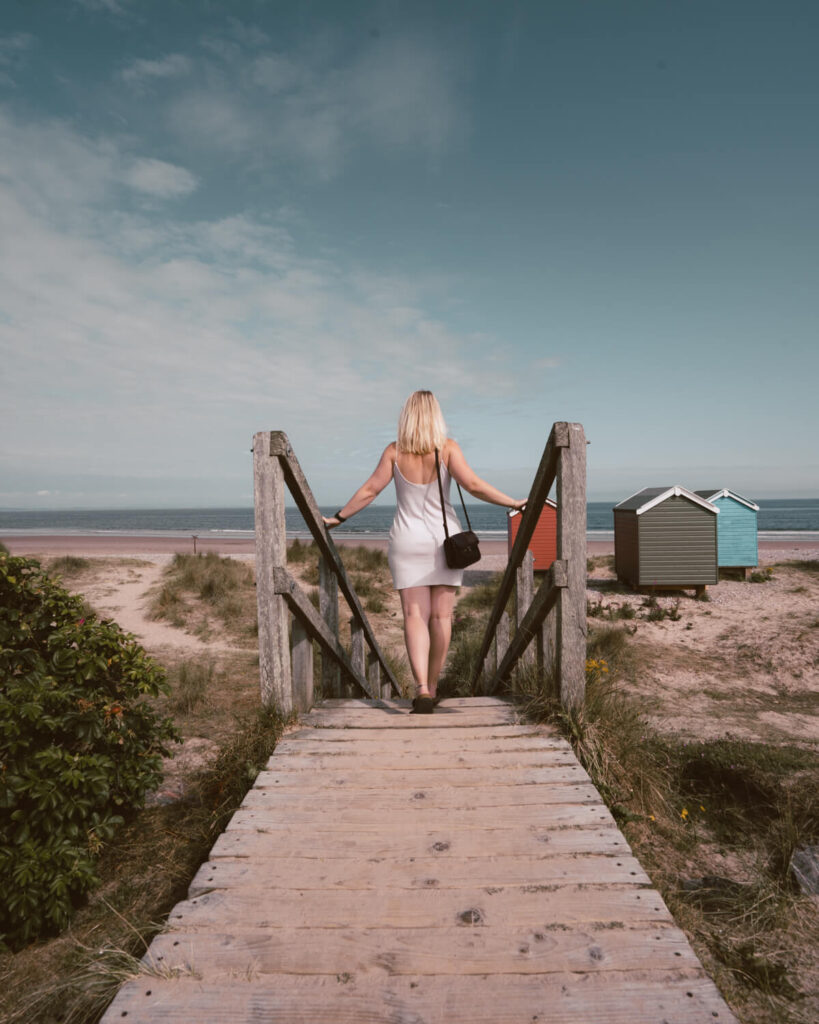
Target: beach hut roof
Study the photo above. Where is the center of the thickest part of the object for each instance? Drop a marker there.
(643, 500)
(714, 493)
(548, 501)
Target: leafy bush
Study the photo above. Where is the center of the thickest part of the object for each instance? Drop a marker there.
(80, 745)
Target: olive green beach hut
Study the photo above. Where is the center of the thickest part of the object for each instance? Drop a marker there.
(666, 538)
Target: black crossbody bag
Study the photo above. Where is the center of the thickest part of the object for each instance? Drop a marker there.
(460, 549)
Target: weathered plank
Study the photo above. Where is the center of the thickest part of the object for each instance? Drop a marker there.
(413, 840)
(456, 873)
(360, 741)
(563, 780)
(442, 719)
(409, 733)
(255, 855)
(404, 760)
(423, 778)
(684, 997)
(521, 906)
(546, 816)
(414, 951)
(412, 800)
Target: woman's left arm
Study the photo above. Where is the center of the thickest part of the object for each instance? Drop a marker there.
(367, 491)
(466, 476)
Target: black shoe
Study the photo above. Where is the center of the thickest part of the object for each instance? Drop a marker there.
(423, 705)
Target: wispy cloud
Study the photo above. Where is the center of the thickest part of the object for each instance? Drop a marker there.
(112, 6)
(13, 49)
(173, 65)
(316, 107)
(161, 344)
(158, 178)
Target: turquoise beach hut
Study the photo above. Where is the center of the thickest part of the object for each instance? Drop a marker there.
(736, 528)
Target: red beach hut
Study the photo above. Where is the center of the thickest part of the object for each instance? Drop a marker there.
(543, 544)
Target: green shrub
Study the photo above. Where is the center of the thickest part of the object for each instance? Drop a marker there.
(80, 745)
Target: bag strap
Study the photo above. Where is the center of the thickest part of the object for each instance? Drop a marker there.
(441, 492)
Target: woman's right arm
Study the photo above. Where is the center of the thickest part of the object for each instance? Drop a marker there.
(369, 490)
(460, 469)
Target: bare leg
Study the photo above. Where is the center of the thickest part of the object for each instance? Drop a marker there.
(440, 632)
(415, 603)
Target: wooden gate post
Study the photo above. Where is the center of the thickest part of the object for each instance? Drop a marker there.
(524, 592)
(571, 546)
(358, 653)
(271, 552)
(302, 666)
(328, 608)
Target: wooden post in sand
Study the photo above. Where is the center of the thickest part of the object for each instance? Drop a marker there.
(328, 608)
(524, 592)
(358, 652)
(302, 664)
(570, 609)
(271, 552)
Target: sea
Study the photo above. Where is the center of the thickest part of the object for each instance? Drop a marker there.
(779, 519)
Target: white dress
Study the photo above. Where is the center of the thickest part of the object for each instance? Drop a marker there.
(416, 548)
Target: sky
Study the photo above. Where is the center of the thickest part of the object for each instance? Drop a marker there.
(224, 217)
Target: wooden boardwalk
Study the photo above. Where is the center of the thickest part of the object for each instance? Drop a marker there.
(458, 867)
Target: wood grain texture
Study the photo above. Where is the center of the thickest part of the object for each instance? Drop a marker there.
(414, 951)
(681, 997)
(302, 666)
(571, 547)
(524, 592)
(416, 875)
(257, 848)
(328, 610)
(271, 553)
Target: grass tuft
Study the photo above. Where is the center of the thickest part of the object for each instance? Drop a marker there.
(196, 587)
(190, 681)
(68, 564)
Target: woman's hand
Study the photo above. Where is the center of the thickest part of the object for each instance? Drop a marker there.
(331, 522)
(519, 505)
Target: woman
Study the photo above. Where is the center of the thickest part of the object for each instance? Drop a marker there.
(420, 574)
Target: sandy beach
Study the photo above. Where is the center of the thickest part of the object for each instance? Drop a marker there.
(116, 545)
(745, 662)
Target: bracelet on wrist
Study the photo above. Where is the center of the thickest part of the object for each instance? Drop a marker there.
(340, 517)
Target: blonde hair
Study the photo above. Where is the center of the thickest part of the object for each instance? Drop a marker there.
(421, 426)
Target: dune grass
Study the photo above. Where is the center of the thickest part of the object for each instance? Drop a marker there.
(68, 565)
(145, 871)
(198, 589)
